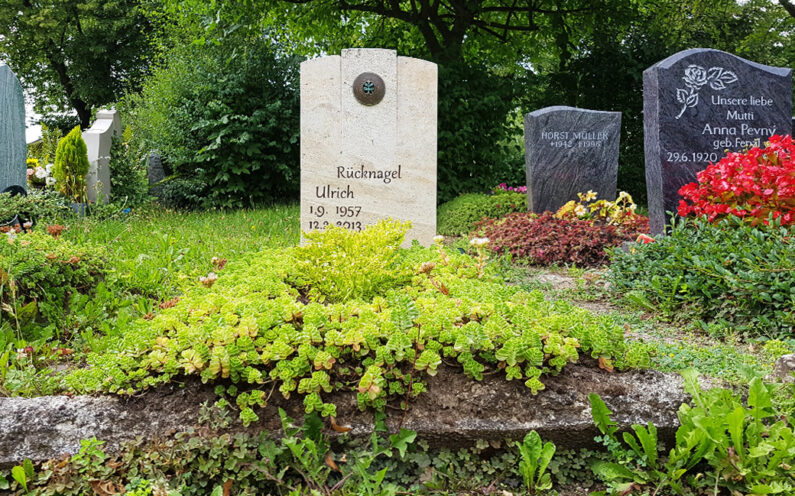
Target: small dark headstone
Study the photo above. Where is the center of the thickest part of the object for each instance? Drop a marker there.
(155, 172)
(699, 103)
(568, 151)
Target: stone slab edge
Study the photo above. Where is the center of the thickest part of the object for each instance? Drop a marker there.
(456, 411)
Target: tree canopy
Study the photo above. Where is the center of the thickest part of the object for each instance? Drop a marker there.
(75, 54)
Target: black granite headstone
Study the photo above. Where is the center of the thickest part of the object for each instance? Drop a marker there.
(699, 103)
(155, 170)
(568, 151)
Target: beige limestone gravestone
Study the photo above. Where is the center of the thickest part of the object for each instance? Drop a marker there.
(98, 141)
(368, 141)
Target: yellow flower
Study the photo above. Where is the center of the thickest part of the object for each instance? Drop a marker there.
(565, 209)
(671, 355)
(590, 195)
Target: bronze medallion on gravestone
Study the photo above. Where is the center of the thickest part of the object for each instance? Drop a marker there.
(368, 88)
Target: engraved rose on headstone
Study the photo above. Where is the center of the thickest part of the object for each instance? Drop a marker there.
(696, 77)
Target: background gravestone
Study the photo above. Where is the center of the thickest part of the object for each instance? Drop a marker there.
(368, 141)
(698, 103)
(13, 152)
(567, 151)
(155, 173)
(99, 140)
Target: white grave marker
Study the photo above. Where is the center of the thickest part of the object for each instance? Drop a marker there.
(98, 141)
(368, 141)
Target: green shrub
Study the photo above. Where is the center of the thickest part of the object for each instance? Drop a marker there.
(224, 117)
(372, 262)
(39, 273)
(183, 193)
(730, 271)
(71, 166)
(129, 183)
(40, 206)
(458, 216)
(478, 127)
(44, 149)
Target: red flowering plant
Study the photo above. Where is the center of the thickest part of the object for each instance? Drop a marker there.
(753, 185)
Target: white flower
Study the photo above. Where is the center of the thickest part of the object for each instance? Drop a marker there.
(579, 211)
(478, 242)
(48, 168)
(40, 173)
(209, 280)
(50, 181)
(438, 239)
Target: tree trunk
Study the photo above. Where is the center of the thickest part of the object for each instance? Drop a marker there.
(82, 107)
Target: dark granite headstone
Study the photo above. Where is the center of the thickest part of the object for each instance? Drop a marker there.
(13, 152)
(568, 151)
(699, 103)
(155, 171)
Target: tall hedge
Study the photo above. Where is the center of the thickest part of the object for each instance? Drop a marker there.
(225, 120)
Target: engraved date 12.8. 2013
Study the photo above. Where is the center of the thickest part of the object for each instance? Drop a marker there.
(346, 213)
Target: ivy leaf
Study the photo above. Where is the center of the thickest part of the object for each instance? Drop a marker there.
(313, 427)
(402, 440)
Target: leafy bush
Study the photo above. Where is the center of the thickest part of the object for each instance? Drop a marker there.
(723, 442)
(39, 206)
(751, 185)
(728, 271)
(546, 239)
(129, 184)
(372, 262)
(44, 149)
(71, 165)
(183, 193)
(224, 119)
(459, 216)
(38, 273)
(251, 326)
(477, 129)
